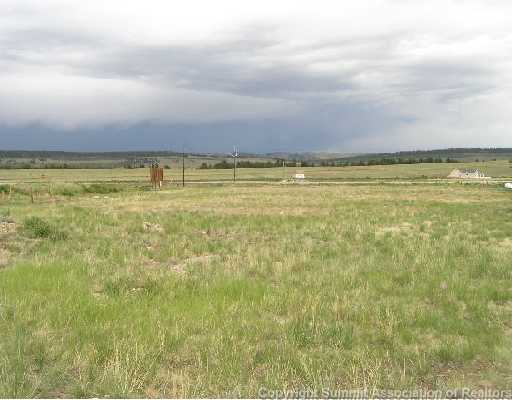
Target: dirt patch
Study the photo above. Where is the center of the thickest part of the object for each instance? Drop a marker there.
(97, 290)
(219, 234)
(180, 266)
(4, 258)
(152, 227)
(497, 308)
(395, 229)
(8, 227)
(506, 243)
(202, 260)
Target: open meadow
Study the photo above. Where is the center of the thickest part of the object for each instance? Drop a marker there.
(108, 288)
(495, 169)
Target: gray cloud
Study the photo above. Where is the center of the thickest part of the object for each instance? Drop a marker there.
(257, 82)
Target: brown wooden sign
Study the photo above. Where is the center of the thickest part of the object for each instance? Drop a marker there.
(156, 175)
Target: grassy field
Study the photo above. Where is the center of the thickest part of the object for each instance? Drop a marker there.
(495, 169)
(220, 290)
(103, 161)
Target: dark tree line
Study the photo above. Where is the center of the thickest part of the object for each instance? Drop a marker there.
(242, 164)
(339, 163)
(73, 165)
(393, 161)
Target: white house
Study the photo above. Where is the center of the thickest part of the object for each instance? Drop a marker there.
(468, 173)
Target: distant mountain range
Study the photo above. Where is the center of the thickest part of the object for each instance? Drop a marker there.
(309, 156)
(460, 154)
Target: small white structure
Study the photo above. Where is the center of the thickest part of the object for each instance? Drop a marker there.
(508, 185)
(299, 177)
(467, 174)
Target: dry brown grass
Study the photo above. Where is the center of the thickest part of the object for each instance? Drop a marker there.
(218, 291)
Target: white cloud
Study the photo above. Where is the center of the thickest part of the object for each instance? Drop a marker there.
(431, 73)
(68, 102)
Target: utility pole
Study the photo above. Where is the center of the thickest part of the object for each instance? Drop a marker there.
(183, 168)
(235, 155)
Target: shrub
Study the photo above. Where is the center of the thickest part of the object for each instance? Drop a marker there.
(66, 191)
(39, 228)
(101, 188)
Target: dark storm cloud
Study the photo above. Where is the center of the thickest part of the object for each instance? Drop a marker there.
(313, 132)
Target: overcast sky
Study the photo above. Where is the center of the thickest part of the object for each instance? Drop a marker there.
(287, 75)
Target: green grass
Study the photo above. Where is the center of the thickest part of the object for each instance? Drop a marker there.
(37, 227)
(221, 290)
(45, 177)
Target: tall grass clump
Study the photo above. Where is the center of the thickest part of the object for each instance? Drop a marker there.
(4, 188)
(39, 228)
(101, 188)
(68, 191)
